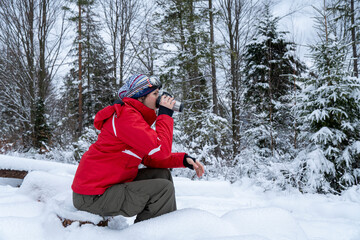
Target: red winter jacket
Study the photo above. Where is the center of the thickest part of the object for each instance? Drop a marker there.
(125, 141)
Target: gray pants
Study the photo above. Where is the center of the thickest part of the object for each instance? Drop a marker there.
(151, 194)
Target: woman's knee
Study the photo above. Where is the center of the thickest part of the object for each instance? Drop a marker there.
(168, 185)
(78, 200)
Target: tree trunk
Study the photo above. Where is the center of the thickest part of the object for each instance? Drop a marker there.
(80, 77)
(269, 56)
(115, 37)
(126, 15)
(194, 65)
(114, 50)
(30, 56)
(122, 60)
(42, 49)
(212, 56)
(295, 123)
(41, 133)
(232, 30)
(89, 103)
(184, 86)
(353, 39)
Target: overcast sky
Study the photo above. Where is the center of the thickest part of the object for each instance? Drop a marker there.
(297, 17)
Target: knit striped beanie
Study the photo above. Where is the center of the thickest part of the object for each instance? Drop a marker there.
(136, 86)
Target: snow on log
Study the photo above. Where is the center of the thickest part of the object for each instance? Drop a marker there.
(16, 167)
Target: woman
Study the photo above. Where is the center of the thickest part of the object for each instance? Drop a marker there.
(108, 181)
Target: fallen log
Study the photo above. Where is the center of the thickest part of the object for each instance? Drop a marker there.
(66, 222)
(10, 173)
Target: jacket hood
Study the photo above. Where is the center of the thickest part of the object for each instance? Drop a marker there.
(148, 114)
(104, 114)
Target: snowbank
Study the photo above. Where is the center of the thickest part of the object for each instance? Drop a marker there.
(25, 164)
(211, 210)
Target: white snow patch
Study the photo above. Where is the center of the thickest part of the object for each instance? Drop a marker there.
(211, 210)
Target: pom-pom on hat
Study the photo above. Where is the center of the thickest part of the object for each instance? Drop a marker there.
(138, 86)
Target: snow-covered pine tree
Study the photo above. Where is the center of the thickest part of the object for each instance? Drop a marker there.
(183, 28)
(68, 123)
(41, 127)
(347, 24)
(329, 111)
(97, 80)
(270, 68)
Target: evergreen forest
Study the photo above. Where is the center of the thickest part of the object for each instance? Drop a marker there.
(253, 106)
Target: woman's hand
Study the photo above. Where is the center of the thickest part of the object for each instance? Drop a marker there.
(198, 167)
(167, 101)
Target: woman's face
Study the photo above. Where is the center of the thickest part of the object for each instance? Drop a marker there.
(150, 99)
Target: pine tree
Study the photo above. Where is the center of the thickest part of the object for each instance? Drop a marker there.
(182, 26)
(271, 66)
(330, 115)
(97, 68)
(41, 127)
(346, 24)
(70, 100)
(97, 81)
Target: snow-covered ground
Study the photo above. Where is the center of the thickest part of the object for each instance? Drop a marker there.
(207, 210)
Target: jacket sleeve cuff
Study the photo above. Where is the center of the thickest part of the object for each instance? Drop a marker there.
(186, 164)
(165, 110)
